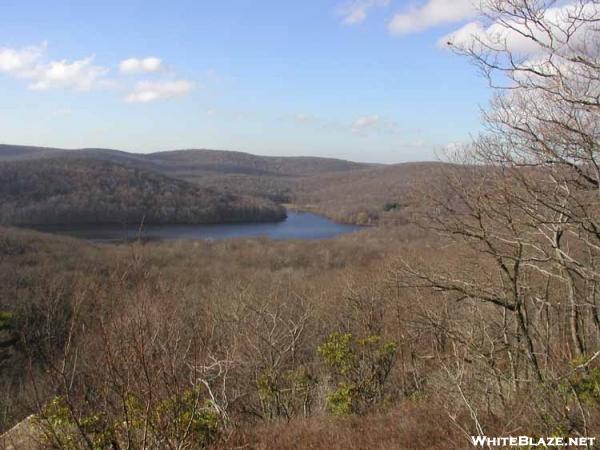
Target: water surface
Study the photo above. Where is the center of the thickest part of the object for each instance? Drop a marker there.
(298, 225)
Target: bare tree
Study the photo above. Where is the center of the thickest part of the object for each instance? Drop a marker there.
(526, 194)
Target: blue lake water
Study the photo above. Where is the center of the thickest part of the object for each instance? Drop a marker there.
(296, 226)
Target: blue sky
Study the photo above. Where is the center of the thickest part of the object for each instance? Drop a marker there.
(360, 79)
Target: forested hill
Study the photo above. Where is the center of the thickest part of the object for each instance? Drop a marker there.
(193, 162)
(271, 177)
(342, 190)
(228, 162)
(87, 191)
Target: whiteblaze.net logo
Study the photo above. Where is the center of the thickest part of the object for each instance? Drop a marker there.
(519, 441)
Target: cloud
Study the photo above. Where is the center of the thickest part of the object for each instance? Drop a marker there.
(149, 91)
(32, 65)
(19, 61)
(144, 65)
(481, 36)
(512, 34)
(430, 14)
(364, 125)
(80, 75)
(29, 64)
(356, 11)
(365, 122)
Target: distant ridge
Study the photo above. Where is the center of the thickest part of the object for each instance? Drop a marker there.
(194, 160)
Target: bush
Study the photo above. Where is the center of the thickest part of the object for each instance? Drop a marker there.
(360, 368)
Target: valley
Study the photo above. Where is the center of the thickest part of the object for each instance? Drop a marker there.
(196, 299)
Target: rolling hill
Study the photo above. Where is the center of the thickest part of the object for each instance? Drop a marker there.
(270, 177)
(62, 190)
(194, 162)
(343, 190)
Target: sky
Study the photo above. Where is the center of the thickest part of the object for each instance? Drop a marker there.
(365, 80)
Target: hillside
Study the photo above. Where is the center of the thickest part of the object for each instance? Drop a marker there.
(220, 292)
(194, 162)
(381, 194)
(19, 152)
(343, 190)
(271, 177)
(85, 191)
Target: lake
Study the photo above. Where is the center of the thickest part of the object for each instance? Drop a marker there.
(298, 225)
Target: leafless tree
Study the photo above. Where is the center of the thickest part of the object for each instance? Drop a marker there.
(526, 194)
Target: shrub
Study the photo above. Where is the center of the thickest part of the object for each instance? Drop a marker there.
(360, 368)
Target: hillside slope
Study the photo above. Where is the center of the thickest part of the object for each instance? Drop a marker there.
(343, 190)
(19, 152)
(390, 193)
(194, 162)
(86, 191)
(269, 177)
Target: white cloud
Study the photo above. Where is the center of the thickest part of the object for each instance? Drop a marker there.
(495, 35)
(356, 11)
(149, 91)
(29, 64)
(365, 122)
(136, 65)
(32, 65)
(374, 123)
(511, 34)
(79, 75)
(430, 14)
(17, 61)
(363, 125)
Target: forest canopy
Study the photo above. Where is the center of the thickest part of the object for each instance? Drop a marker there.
(83, 191)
